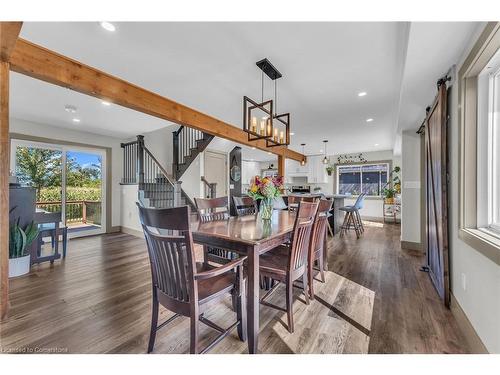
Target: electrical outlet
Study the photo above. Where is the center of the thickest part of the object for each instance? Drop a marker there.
(464, 282)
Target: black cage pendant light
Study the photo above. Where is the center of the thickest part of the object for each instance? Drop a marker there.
(303, 161)
(258, 118)
(325, 159)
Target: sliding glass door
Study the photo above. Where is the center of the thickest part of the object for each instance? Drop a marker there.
(67, 179)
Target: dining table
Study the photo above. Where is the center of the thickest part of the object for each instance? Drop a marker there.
(249, 236)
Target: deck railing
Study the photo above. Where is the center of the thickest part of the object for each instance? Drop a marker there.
(77, 211)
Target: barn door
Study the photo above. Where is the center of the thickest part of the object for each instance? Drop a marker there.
(436, 187)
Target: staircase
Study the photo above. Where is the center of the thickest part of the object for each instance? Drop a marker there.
(188, 144)
(158, 188)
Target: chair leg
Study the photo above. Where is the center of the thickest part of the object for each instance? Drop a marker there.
(65, 241)
(205, 254)
(306, 289)
(289, 304)
(242, 316)
(154, 323)
(194, 333)
(321, 268)
(310, 275)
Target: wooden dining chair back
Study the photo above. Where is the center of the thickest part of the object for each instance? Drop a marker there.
(245, 206)
(214, 209)
(317, 248)
(301, 239)
(287, 263)
(179, 283)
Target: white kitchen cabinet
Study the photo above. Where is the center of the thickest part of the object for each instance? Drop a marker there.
(317, 170)
(249, 169)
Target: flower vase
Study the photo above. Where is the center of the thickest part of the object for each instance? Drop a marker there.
(266, 209)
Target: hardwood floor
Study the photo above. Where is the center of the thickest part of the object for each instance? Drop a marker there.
(98, 301)
(408, 316)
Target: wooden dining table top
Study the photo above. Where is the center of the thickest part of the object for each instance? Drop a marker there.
(249, 229)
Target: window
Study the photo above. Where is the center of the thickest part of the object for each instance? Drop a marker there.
(479, 151)
(365, 178)
(488, 130)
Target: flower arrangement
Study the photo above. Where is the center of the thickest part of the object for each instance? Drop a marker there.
(266, 190)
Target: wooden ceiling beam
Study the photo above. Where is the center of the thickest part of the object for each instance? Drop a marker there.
(38, 62)
(9, 33)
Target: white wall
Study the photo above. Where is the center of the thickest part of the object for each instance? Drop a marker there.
(160, 143)
(77, 136)
(480, 300)
(129, 210)
(410, 187)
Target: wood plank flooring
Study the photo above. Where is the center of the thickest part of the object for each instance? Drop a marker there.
(98, 301)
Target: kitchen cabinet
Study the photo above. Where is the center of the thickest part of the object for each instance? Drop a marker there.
(317, 170)
(249, 169)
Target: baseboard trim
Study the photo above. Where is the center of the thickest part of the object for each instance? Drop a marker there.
(115, 229)
(372, 218)
(132, 232)
(408, 245)
(473, 339)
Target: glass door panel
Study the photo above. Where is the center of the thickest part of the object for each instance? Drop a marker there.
(84, 192)
(41, 168)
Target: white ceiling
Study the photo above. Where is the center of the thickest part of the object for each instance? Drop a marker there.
(210, 66)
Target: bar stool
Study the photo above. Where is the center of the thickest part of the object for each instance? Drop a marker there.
(352, 218)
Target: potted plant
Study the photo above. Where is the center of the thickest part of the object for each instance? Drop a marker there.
(266, 190)
(390, 192)
(329, 170)
(389, 195)
(19, 240)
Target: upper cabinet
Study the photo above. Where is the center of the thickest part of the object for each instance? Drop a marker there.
(249, 169)
(314, 170)
(317, 170)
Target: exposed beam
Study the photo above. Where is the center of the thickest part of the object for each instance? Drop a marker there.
(4, 188)
(41, 63)
(281, 165)
(9, 32)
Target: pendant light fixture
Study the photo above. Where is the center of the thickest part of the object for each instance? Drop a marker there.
(303, 161)
(325, 159)
(258, 118)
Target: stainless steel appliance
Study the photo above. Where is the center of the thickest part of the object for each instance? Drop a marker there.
(301, 189)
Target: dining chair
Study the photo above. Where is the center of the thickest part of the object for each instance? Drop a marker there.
(352, 218)
(318, 245)
(245, 206)
(182, 285)
(289, 263)
(49, 225)
(214, 209)
(293, 202)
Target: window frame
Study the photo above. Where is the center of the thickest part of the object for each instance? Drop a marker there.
(375, 162)
(482, 52)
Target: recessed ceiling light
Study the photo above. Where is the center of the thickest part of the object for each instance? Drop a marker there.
(76, 120)
(253, 148)
(108, 26)
(107, 104)
(70, 108)
(369, 120)
(269, 152)
(321, 150)
(362, 93)
(292, 133)
(376, 144)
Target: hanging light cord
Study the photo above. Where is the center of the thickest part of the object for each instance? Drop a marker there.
(275, 97)
(262, 87)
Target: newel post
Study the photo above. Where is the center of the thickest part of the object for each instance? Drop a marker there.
(177, 193)
(140, 159)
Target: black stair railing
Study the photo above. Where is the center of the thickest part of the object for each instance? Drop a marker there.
(142, 168)
(187, 144)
